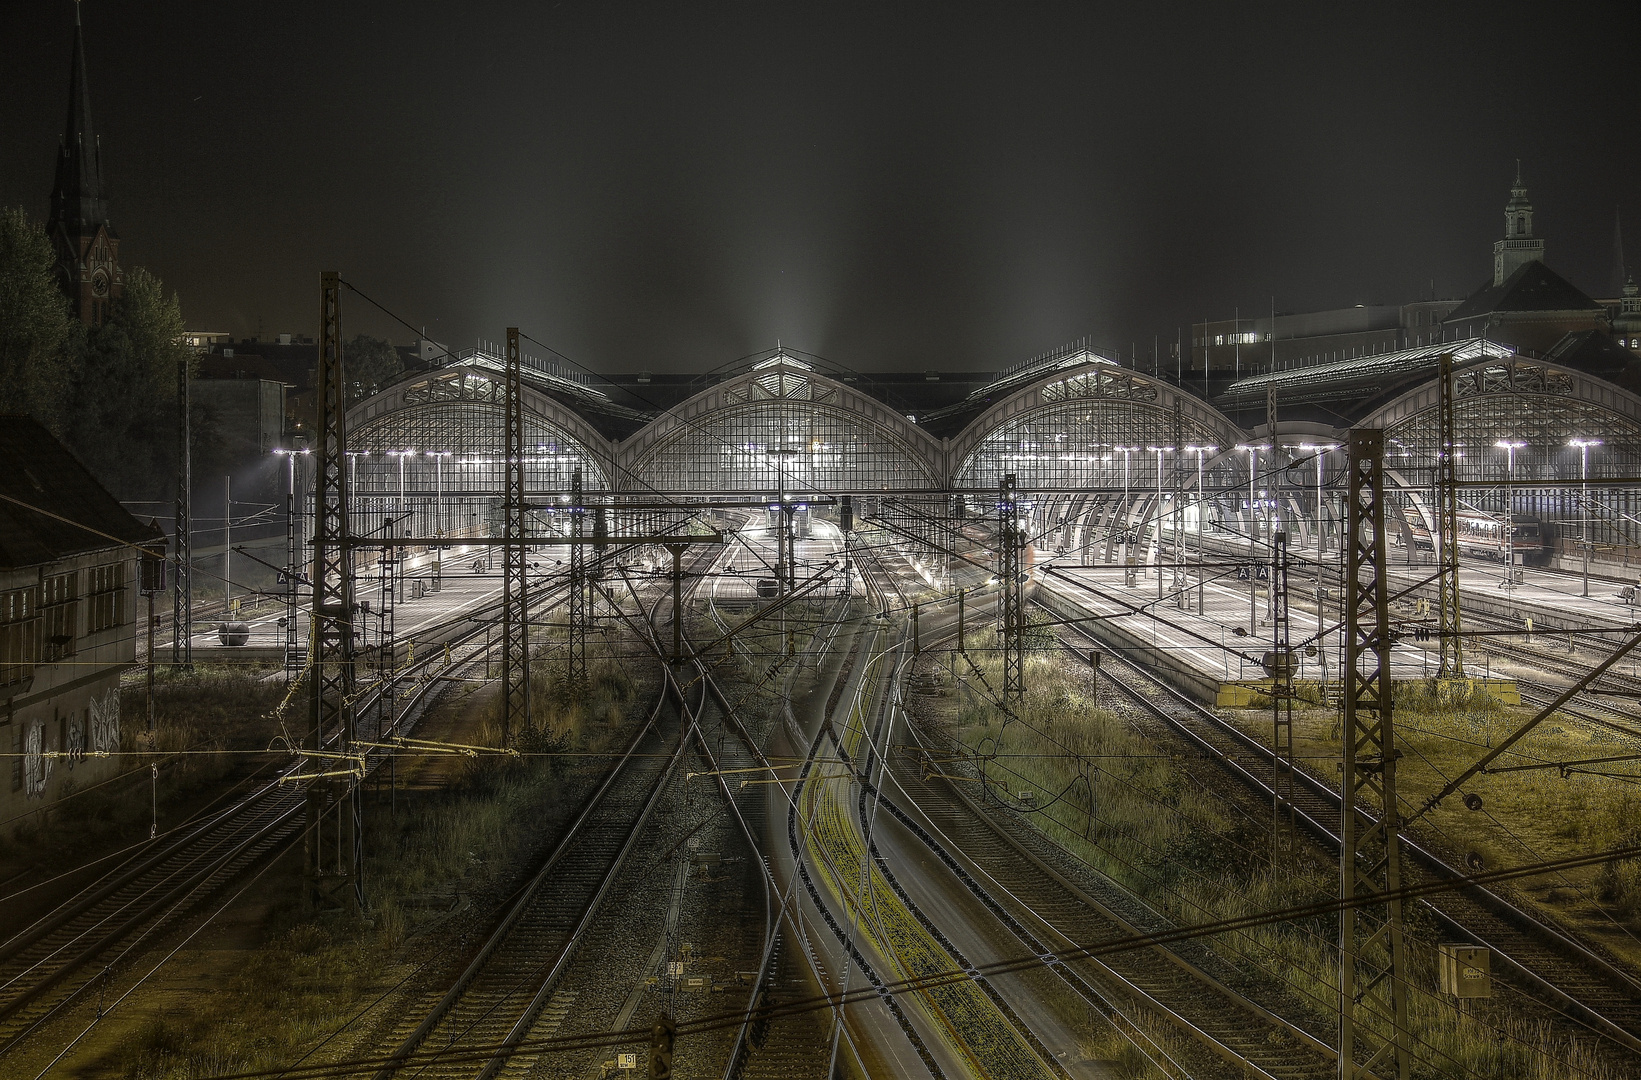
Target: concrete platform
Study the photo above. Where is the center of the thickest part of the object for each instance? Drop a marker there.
(1212, 655)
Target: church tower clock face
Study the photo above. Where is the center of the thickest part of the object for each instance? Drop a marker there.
(99, 285)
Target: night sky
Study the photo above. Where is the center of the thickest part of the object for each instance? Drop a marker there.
(892, 186)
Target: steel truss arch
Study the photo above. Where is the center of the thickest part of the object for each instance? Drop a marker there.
(1073, 425)
(780, 425)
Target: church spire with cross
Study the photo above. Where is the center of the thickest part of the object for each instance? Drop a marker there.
(88, 266)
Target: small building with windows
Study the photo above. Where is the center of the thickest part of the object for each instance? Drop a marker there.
(68, 618)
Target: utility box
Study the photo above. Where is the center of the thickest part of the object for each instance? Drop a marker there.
(1463, 970)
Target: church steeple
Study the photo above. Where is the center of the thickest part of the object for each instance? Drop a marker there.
(1519, 246)
(87, 246)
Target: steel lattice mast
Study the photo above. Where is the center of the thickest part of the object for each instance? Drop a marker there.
(1285, 842)
(1372, 957)
(182, 599)
(1447, 549)
(575, 680)
(1009, 575)
(515, 619)
(333, 857)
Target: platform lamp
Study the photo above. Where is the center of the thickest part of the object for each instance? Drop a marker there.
(1510, 447)
(1584, 499)
(1202, 511)
(1321, 450)
(1127, 453)
(1253, 450)
(293, 547)
(1159, 451)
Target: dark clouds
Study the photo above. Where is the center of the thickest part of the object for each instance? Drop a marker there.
(892, 186)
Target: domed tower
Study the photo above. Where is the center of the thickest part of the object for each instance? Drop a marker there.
(88, 248)
(1519, 246)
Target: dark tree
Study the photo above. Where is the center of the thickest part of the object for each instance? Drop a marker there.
(34, 323)
(369, 364)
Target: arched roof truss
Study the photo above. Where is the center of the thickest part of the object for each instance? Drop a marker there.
(1068, 432)
(460, 412)
(780, 425)
(1519, 400)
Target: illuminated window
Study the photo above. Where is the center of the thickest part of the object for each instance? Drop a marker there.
(59, 608)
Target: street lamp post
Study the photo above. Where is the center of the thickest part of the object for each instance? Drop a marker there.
(1584, 499)
(1253, 538)
(292, 553)
(1510, 449)
(1160, 450)
(1127, 451)
(1202, 510)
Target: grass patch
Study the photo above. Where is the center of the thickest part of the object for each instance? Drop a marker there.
(452, 843)
(1123, 803)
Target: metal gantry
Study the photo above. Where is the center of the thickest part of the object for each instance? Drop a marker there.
(575, 667)
(1009, 576)
(1447, 546)
(182, 599)
(1284, 840)
(1373, 968)
(333, 848)
(515, 619)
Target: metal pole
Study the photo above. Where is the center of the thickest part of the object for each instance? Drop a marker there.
(1373, 967)
(227, 549)
(182, 601)
(1253, 543)
(1159, 523)
(330, 717)
(515, 647)
(1584, 504)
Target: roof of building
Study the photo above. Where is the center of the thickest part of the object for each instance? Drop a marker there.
(1349, 389)
(1533, 287)
(79, 515)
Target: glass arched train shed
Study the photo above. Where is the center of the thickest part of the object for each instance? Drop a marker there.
(428, 451)
(780, 427)
(1105, 456)
(1519, 423)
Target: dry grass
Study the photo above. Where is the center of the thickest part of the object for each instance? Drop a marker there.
(461, 840)
(1124, 804)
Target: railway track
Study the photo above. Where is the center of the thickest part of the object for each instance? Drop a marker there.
(51, 964)
(511, 986)
(1570, 976)
(1045, 913)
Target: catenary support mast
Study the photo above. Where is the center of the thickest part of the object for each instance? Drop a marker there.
(332, 842)
(1373, 1024)
(515, 621)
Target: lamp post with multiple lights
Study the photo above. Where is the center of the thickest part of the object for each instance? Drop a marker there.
(1127, 452)
(1510, 447)
(1159, 451)
(293, 546)
(1202, 511)
(1252, 450)
(1584, 499)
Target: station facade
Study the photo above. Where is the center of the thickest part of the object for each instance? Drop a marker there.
(1104, 452)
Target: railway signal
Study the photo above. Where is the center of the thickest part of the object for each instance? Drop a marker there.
(661, 1039)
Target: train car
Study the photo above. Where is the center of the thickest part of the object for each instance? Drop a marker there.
(1481, 536)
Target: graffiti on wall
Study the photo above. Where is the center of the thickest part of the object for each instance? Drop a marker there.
(105, 722)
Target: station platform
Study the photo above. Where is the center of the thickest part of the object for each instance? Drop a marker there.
(1213, 655)
(467, 581)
